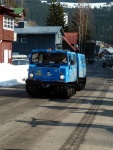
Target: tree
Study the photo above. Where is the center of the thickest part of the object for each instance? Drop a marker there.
(80, 23)
(56, 15)
(9, 3)
(32, 23)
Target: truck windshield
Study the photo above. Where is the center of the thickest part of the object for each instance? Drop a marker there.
(48, 58)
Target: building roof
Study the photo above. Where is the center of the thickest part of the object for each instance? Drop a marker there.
(68, 42)
(7, 11)
(19, 11)
(72, 37)
(110, 50)
(39, 30)
(106, 50)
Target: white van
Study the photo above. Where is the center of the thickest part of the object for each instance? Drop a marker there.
(19, 57)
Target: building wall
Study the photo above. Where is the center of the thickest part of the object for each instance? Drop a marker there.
(1, 26)
(1, 53)
(7, 35)
(41, 41)
(90, 50)
(5, 52)
(6, 38)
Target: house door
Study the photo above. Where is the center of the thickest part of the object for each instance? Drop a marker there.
(5, 56)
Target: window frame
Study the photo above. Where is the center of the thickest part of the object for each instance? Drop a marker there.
(8, 23)
(23, 39)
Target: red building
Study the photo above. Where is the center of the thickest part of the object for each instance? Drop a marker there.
(6, 34)
(70, 41)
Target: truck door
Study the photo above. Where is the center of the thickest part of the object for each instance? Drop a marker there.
(81, 66)
(72, 68)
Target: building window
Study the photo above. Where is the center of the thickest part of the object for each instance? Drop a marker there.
(8, 23)
(58, 46)
(23, 40)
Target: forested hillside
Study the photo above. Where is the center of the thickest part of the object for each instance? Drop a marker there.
(101, 20)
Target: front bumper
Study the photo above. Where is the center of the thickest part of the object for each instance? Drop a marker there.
(44, 83)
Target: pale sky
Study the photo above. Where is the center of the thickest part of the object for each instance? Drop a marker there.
(11, 75)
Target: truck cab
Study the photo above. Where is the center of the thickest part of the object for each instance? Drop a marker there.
(48, 66)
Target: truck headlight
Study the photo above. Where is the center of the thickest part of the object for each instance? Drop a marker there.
(62, 77)
(31, 75)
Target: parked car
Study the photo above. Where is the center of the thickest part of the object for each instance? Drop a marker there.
(19, 57)
(20, 62)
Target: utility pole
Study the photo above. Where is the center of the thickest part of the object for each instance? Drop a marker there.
(22, 3)
(80, 23)
(1, 2)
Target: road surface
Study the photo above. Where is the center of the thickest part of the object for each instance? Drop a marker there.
(83, 122)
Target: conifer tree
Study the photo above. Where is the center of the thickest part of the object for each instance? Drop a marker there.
(56, 15)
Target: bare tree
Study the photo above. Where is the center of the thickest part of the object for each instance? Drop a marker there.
(80, 22)
(32, 23)
(9, 3)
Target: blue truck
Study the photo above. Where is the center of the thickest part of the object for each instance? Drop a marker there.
(60, 72)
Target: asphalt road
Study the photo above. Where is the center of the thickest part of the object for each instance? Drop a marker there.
(83, 122)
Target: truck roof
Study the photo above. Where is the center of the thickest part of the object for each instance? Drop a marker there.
(52, 51)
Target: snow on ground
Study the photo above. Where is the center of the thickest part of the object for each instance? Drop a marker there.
(11, 75)
(92, 5)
